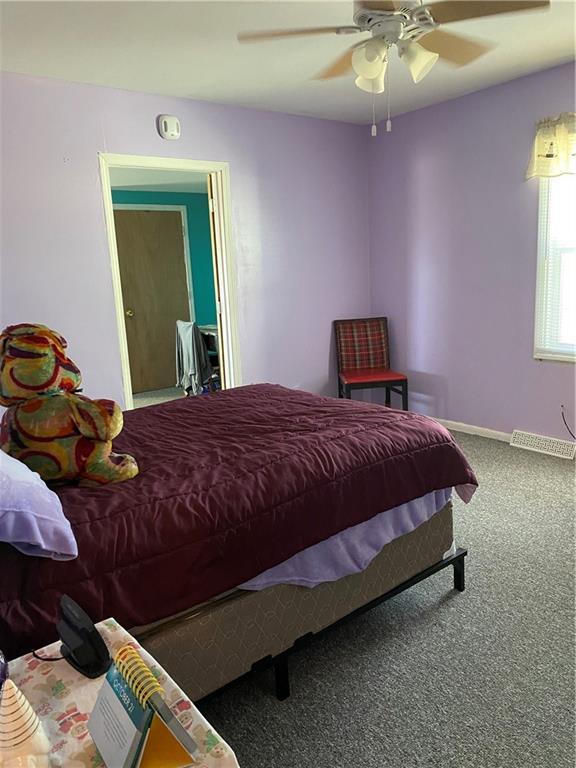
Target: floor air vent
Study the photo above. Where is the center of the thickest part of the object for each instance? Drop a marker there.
(553, 446)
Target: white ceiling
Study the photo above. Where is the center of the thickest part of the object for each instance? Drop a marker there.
(151, 180)
(190, 49)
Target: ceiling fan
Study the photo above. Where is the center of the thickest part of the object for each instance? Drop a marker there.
(411, 26)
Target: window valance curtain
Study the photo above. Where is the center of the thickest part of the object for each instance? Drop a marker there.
(554, 148)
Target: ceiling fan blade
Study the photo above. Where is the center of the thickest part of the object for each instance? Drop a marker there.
(456, 49)
(338, 68)
(447, 11)
(273, 34)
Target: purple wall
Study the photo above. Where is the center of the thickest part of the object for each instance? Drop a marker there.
(453, 255)
(300, 222)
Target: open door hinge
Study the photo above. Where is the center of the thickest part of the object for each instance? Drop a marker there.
(211, 205)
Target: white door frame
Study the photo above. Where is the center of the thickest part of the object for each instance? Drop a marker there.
(226, 264)
(183, 211)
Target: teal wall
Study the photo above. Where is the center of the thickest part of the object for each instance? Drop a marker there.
(198, 220)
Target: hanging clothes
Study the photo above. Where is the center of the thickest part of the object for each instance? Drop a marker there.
(193, 369)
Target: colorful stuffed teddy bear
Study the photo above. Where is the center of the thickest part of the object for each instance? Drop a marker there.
(63, 436)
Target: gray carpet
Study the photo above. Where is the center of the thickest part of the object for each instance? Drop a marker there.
(434, 677)
(156, 396)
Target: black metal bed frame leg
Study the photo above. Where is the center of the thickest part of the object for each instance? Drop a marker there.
(282, 677)
(280, 663)
(459, 574)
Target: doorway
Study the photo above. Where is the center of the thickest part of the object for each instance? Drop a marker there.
(168, 230)
(153, 256)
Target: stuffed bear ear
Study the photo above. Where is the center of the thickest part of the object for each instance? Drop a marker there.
(55, 337)
(69, 373)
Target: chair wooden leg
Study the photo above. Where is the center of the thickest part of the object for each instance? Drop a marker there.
(347, 392)
(387, 396)
(404, 395)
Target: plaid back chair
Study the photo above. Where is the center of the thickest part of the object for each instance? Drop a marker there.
(362, 344)
(364, 358)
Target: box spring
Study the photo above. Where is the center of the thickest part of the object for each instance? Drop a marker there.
(210, 645)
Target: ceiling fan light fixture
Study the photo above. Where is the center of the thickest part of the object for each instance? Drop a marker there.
(372, 84)
(368, 59)
(418, 60)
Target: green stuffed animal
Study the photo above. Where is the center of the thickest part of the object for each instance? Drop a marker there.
(58, 433)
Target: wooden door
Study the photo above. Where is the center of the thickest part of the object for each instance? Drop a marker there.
(154, 290)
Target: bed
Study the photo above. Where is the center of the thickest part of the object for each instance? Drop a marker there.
(232, 486)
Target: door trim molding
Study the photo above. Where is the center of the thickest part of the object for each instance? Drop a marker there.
(230, 344)
(185, 237)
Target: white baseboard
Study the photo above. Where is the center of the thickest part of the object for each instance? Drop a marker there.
(469, 429)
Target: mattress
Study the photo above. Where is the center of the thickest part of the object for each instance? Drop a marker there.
(230, 485)
(351, 550)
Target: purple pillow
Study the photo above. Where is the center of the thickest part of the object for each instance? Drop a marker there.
(31, 516)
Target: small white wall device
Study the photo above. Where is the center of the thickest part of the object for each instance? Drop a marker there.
(168, 127)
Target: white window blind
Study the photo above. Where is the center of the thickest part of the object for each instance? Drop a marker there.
(555, 326)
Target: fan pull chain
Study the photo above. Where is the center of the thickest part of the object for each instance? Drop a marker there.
(374, 126)
(388, 121)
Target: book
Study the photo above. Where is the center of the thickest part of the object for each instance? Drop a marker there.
(131, 725)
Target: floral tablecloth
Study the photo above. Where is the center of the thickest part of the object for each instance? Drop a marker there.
(63, 700)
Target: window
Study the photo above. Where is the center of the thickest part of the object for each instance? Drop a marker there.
(555, 326)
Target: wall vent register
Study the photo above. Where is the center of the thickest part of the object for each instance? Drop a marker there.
(563, 449)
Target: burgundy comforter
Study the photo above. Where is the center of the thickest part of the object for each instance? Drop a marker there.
(229, 485)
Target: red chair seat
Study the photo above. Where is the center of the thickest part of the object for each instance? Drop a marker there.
(370, 375)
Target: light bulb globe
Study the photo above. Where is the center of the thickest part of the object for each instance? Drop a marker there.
(418, 60)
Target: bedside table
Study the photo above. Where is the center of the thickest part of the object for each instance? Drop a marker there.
(63, 700)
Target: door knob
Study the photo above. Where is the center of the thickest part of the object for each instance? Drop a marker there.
(129, 313)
